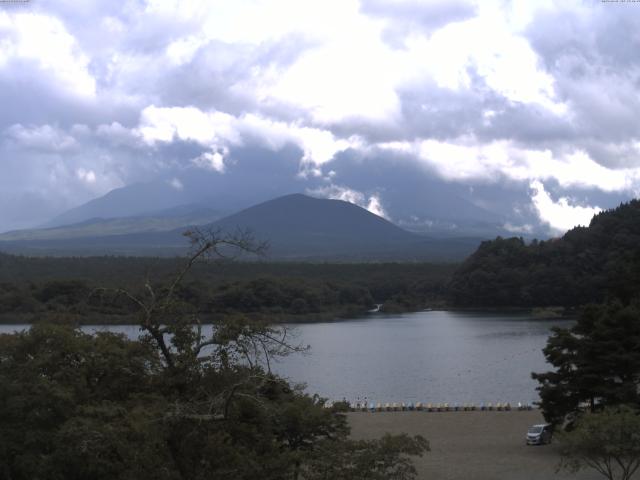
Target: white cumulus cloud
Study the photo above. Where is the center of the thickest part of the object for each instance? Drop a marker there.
(210, 161)
(337, 192)
(561, 215)
(87, 176)
(45, 40)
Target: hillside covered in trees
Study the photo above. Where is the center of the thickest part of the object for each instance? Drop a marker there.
(588, 264)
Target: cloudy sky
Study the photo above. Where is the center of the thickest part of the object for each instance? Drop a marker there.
(527, 109)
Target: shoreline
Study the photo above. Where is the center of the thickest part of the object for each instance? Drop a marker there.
(96, 319)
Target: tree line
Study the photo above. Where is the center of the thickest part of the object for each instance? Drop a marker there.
(63, 289)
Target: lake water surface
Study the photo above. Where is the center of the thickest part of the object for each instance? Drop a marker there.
(434, 356)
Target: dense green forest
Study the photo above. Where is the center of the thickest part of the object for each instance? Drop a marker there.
(80, 290)
(588, 264)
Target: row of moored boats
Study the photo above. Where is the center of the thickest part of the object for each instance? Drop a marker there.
(434, 407)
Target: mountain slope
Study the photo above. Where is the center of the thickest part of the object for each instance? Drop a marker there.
(298, 224)
(159, 221)
(129, 201)
(246, 183)
(586, 265)
(417, 201)
(296, 227)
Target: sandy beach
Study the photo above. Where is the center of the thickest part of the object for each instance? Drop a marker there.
(471, 445)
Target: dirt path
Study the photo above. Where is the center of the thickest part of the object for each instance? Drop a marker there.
(471, 445)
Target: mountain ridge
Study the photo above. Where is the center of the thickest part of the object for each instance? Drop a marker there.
(162, 220)
(297, 226)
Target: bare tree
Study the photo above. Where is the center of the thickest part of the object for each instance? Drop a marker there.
(188, 348)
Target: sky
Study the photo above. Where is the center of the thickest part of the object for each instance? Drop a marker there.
(528, 109)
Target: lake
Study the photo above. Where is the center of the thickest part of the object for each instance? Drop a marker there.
(431, 356)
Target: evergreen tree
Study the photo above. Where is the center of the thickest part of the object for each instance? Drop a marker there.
(597, 363)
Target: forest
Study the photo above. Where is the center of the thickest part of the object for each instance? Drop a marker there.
(586, 265)
(80, 290)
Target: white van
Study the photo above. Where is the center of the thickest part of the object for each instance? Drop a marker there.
(539, 434)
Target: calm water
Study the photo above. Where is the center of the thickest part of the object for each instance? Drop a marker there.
(434, 356)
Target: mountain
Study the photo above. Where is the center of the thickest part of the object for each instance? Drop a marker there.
(424, 204)
(128, 201)
(587, 264)
(157, 221)
(296, 220)
(296, 226)
(252, 179)
(299, 226)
